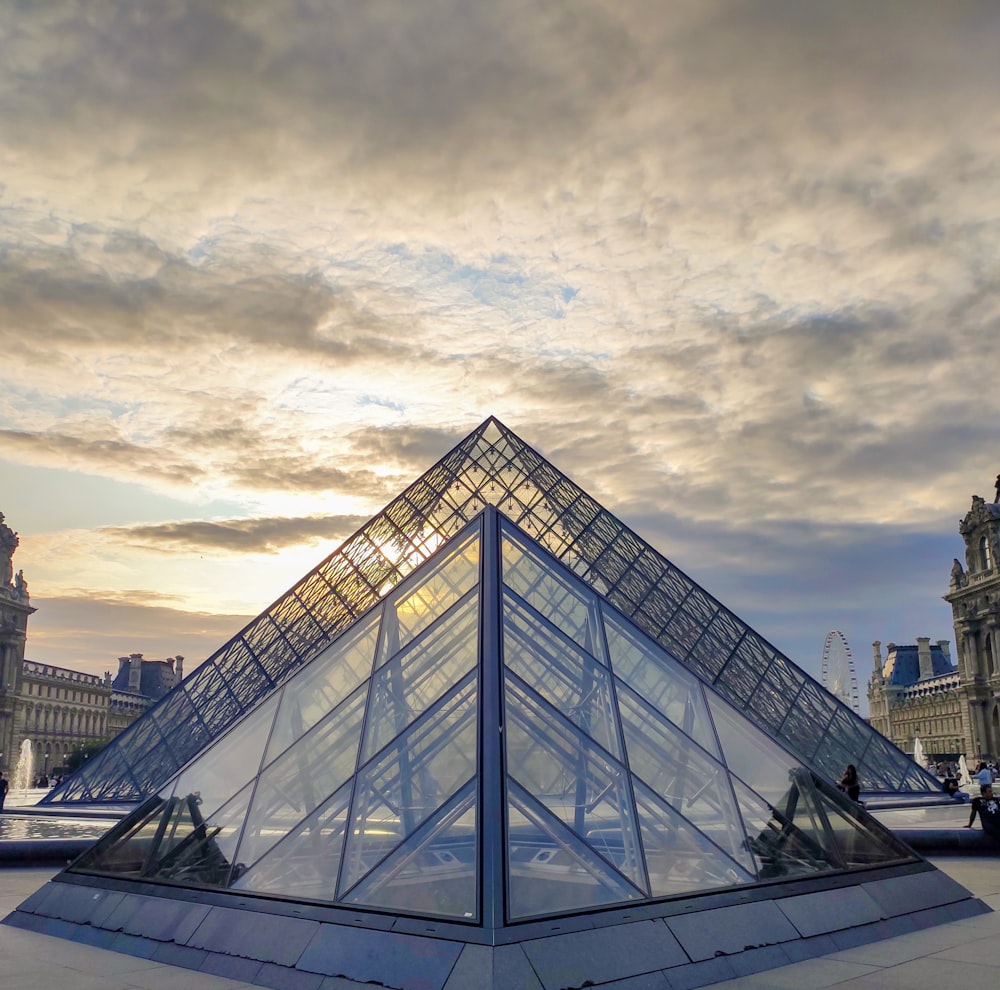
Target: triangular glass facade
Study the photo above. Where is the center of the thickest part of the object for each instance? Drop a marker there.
(492, 709)
(492, 466)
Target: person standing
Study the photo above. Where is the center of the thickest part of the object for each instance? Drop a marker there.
(983, 776)
(4, 787)
(850, 782)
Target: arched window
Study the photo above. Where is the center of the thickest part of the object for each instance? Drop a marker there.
(984, 554)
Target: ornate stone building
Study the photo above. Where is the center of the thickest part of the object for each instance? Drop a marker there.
(974, 596)
(58, 709)
(14, 611)
(916, 690)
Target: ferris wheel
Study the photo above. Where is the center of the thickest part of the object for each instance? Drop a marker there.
(839, 677)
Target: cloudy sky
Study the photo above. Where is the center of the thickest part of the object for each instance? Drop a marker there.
(732, 266)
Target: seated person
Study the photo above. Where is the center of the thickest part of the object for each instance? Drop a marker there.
(988, 809)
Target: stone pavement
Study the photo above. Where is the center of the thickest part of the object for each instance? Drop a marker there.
(953, 955)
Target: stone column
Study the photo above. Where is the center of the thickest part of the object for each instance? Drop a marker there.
(980, 736)
(973, 669)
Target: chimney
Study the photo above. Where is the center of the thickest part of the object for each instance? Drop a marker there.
(178, 669)
(877, 656)
(924, 654)
(945, 648)
(135, 673)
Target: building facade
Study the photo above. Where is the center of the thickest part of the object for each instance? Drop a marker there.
(918, 691)
(55, 708)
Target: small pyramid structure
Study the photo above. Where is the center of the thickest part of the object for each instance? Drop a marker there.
(493, 466)
(492, 778)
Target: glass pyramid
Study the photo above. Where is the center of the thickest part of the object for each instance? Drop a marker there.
(491, 743)
(492, 466)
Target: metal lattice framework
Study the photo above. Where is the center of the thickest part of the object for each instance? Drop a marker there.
(492, 744)
(494, 466)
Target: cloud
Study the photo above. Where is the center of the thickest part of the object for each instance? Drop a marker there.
(258, 536)
(89, 632)
(727, 264)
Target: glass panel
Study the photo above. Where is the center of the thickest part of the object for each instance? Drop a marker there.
(684, 631)
(213, 699)
(182, 727)
(679, 858)
(125, 850)
(577, 782)
(414, 607)
(570, 680)
(234, 759)
(831, 761)
(116, 782)
(412, 681)
(321, 686)
(739, 678)
(171, 840)
(773, 697)
(660, 680)
(682, 774)
(568, 608)
(305, 863)
(411, 780)
(752, 756)
(851, 734)
(196, 849)
(884, 765)
(863, 842)
(549, 869)
(807, 720)
(783, 835)
(248, 683)
(303, 777)
(434, 871)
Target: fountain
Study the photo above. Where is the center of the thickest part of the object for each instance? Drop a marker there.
(918, 753)
(963, 772)
(24, 772)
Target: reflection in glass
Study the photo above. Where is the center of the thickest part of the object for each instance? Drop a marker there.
(303, 777)
(787, 837)
(412, 681)
(567, 607)
(172, 840)
(220, 772)
(414, 607)
(410, 780)
(321, 686)
(577, 782)
(660, 679)
(551, 870)
(681, 774)
(569, 679)
(679, 857)
(305, 863)
(752, 756)
(435, 870)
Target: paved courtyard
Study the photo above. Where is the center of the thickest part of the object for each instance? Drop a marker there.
(954, 955)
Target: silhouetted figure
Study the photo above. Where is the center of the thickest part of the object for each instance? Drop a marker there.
(850, 783)
(996, 498)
